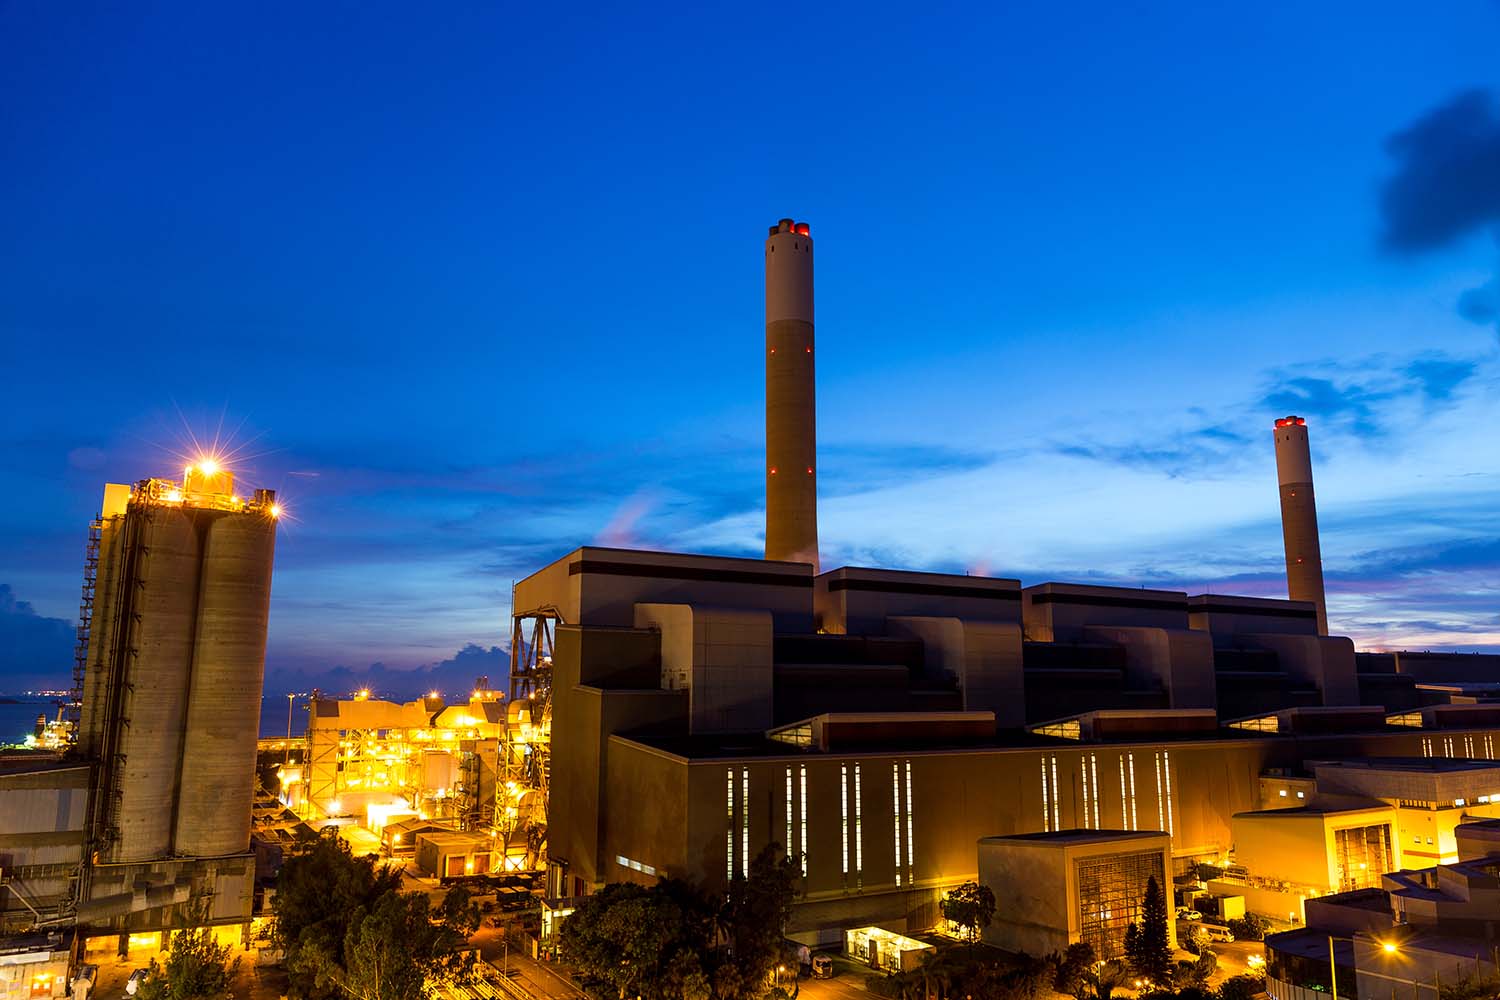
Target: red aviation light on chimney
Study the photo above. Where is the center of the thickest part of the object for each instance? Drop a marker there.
(1290, 422)
(803, 229)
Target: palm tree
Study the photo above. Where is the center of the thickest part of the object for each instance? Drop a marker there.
(1107, 977)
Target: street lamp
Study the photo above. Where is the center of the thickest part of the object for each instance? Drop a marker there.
(287, 759)
(1389, 947)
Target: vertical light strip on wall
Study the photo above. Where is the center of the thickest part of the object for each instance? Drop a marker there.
(1161, 810)
(1056, 797)
(1046, 799)
(802, 816)
(1083, 772)
(729, 827)
(1094, 773)
(859, 834)
(1166, 759)
(844, 816)
(1124, 798)
(910, 853)
(1135, 823)
(896, 812)
(745, 821)
(788, 841)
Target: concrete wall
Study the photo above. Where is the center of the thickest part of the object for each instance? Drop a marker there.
(722, 658)
(857, 601)
(1324, 662)
(1032, 902)
(985, 658)
(1226, 617)
(1036, 887)
(1181, 661)
(1059, 612)
(598, 586)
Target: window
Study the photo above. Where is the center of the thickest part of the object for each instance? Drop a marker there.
(910, 852)
(844, 816)
(729, 827)
(802, 818)
(1110, 890)
(745, 820)
(1282, 793)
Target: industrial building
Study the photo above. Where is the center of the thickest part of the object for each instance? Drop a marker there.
(1416, 933)
(893, 729)
(152, 806)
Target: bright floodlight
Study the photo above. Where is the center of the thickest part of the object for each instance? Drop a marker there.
(1390, 947)
(209, 467)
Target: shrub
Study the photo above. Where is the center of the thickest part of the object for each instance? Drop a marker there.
(1250, 927)
(1196, 940)
(1242, 988)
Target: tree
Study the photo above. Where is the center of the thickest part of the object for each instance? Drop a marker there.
(1147, 944)
(1107, 977)
(754, 918)
(1250, 927)
(347, 928)
(970, 906)
(1197, 940)
(394, 949)
(318, 893)
(1072, 968)
(197, 967)
(1194, 975)
(630, 940)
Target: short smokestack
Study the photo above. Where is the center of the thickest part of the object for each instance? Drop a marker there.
(1299, 517)
(791, 418)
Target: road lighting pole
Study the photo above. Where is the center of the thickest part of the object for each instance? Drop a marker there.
(287, 758)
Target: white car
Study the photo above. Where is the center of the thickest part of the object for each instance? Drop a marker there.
(1183, 913)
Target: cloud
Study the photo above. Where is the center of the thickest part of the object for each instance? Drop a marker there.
(1447, 181)
(35, 651)
(1438, 376)
(1482, 304)
(1447, 186)
(458, 673)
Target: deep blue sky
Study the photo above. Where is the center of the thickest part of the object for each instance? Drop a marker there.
(473, 287)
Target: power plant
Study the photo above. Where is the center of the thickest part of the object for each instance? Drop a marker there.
(899, 732)
(1299, 517)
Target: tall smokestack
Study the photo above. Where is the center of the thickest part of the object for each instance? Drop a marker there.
(791, 418)
(1299, 517)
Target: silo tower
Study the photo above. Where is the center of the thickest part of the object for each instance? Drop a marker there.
(1299, 516)
(175, 660)
(791, 410)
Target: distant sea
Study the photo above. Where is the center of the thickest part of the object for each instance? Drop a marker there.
(18, 716)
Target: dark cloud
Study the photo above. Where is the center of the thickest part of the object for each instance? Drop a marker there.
(35, 652)
(1438, 377)
(1447, 180)
(1447, 186)
(1481, 305)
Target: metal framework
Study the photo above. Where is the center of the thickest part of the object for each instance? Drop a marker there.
(85, 624)
(525, 754)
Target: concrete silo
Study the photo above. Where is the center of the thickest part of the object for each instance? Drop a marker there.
(153, 700)
(791, 398)
(229, 656)
(172, 684)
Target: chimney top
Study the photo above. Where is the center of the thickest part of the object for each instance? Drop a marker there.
(1290, 422)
